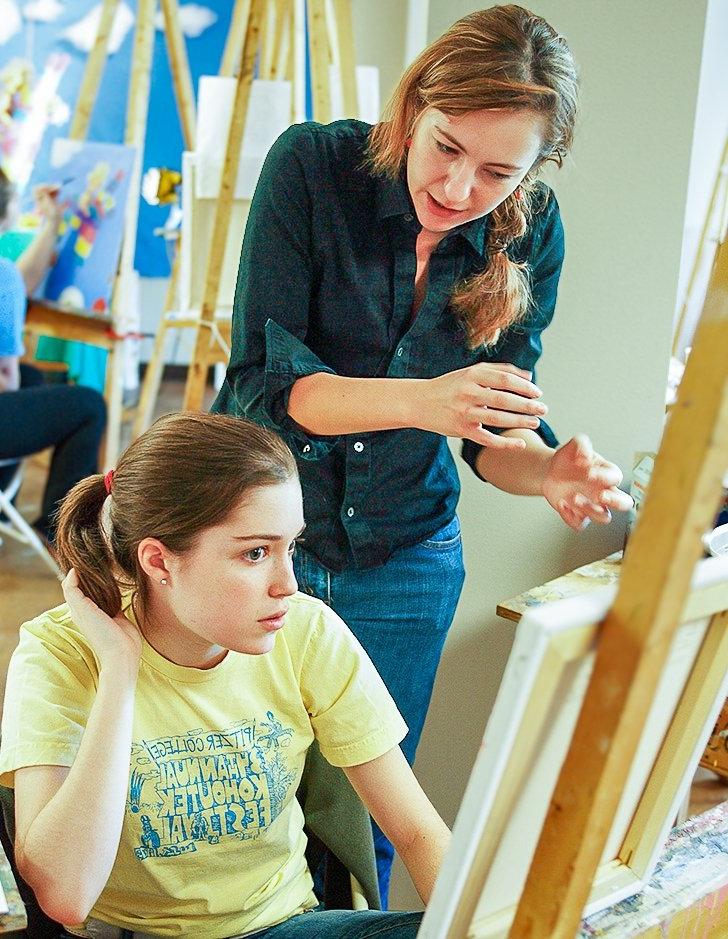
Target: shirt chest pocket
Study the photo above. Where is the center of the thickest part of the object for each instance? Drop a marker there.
(441, 350)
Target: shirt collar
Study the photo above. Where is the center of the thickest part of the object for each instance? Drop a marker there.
(392, 196)
(475, 233)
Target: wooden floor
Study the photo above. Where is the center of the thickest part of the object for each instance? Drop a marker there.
(27, 588)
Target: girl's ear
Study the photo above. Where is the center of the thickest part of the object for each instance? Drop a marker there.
(153, 559)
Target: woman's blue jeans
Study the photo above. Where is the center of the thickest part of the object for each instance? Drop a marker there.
(401, 613)
(346, 924)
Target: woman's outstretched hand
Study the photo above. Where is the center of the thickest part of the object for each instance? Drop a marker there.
(582, 486)
(498, 394)
(115, 641)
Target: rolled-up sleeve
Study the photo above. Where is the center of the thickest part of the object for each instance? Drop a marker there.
(521, 344)
(273, 296)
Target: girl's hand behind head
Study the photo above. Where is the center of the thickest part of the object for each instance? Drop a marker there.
(116, 641)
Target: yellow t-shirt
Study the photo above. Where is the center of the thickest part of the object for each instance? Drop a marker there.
(212, 843)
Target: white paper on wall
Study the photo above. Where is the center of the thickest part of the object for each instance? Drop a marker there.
(269, 114)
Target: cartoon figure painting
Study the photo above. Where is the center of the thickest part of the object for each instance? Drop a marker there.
(95, 179)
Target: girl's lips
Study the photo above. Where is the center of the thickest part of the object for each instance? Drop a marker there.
(441, 211)
(274, 623)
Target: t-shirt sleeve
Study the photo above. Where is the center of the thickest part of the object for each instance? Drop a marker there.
(50, 688)
(12, 309)
(352, 714)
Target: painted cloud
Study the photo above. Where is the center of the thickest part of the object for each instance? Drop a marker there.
(194, 19)
(43, 11)
(10, 21)
(83, 32)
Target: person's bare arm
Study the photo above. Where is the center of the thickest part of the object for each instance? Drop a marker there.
(576, 481)
(64, 853)
(389, 789)
(456, 404)
(34, 262)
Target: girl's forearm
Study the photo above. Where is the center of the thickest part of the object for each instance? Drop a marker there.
(69, 849)
(35, 260)
(329, 405)
(424, 854)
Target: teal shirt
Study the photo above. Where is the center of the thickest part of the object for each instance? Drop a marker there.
(326, 284)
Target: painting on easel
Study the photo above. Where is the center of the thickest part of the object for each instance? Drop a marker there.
(94, 179)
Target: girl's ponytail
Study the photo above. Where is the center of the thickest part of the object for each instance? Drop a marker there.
(82, 544)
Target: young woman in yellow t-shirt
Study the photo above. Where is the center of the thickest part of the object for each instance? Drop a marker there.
(184, 643)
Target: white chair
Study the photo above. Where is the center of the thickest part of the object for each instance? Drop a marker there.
(15, 526)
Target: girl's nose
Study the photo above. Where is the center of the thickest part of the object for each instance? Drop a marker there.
(285, 583)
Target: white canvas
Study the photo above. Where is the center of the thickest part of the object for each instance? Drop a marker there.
(510, 788)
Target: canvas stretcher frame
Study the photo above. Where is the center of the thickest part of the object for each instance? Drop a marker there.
(550, 640)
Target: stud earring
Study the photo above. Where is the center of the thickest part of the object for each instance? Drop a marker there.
(163, 581)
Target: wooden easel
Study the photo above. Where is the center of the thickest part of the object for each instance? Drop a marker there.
(108, 332)
(266, 18)
(636, 634)
(274, 31)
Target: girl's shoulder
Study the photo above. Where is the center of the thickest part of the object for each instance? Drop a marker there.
(311, 623)
(54, 635)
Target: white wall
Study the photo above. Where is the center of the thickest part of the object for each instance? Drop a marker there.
(605, 358)
(709, 141)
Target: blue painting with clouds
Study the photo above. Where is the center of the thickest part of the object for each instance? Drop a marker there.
(39, 31)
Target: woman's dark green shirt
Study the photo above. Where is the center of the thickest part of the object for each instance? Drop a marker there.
(326, 284)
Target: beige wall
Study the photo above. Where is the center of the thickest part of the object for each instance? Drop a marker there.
(709, 141)
(605, 358)
(380, 28)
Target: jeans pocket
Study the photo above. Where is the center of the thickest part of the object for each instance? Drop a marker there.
(447, 537)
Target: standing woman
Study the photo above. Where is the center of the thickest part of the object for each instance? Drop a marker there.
(393, 286)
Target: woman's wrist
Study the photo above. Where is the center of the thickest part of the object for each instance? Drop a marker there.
(413, 401)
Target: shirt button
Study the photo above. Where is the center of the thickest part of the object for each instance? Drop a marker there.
(307, 448)
(358, 446)
(399, 351)
(408, 218)
(350, 511)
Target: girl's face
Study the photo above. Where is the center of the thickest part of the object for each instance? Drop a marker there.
(460, 167)
(231, 590)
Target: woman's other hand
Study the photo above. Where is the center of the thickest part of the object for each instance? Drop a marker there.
(498, 394)
(582, 486)
(114, 641)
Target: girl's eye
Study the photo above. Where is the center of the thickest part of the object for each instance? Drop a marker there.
(443, 147)
(256, 554)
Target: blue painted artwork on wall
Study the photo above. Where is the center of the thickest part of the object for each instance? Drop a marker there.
(93, 198)
(56, 38)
